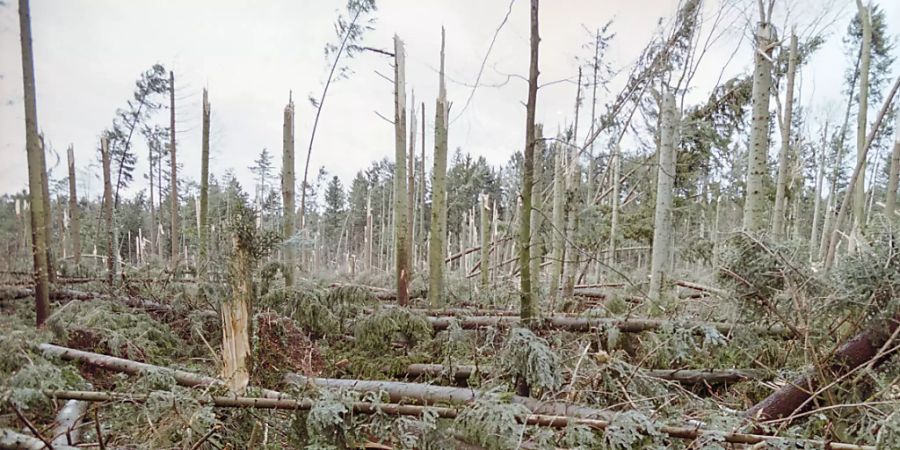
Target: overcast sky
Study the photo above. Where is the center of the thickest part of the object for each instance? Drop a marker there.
(250, 54)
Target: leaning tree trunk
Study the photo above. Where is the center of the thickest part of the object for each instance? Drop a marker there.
(527, 301)
(401, 193)
(35, 175)
(438, 229)
(754, 205)
(74, 220)
(287, 192)
(204, 191)
(859, 191)
(173, 179)
(781, 184)
(108, 213)
(890, 201)
(662, 228)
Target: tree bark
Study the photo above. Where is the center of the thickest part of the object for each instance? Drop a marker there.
(614, 204)
(559, 231)
(485, 242)
(287, 191)
(890, 201)
(573, 177)
(66, 430)
(204, 191)
(781, 184)
(817, 198)
(411, 235)
(401, 190)
(39, 209)
(108, 213)
(236, 321)
(757, 170)
(527, 299)
(662, 229)
(859, 190)
(173, 181)
(74, 220)
(438, 229)
(12, 440)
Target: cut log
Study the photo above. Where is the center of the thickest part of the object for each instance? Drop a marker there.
(115, 364)
(66, 431)
(584, 324)
(796, 395)
(393, 409)
(12, 440)
(398, 391)
(699, 287)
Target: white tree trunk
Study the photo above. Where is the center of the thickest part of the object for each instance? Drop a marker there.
(781, 184)
(757, 169)
(664, 186)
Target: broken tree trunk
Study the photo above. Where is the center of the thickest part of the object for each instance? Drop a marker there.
(12, 440)
(66, 430)
(401, 190)
(665, 184)
(864, 348)
(236, 319)
(203, 216)
(393, 409)
(397, 391)
(438, 231)
(584, 324)
(108, 213)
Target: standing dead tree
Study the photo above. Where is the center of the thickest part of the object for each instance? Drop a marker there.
(662, 229)
(438, 230)
(108, 213)
(74, 220)
(173, 177)
(287, 191)
(401, 194)
(527, 299)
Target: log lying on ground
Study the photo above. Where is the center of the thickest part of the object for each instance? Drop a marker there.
(699, 287)
(863, 348)
(584, 324)
(66, 431)
(398, 391)
(12, 440)
(56, 294)
(393, 409)
(687, 376)
(115, 364)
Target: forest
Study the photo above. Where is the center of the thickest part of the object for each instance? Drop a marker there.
(656, 272)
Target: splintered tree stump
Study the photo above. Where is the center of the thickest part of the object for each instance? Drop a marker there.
(796, 395)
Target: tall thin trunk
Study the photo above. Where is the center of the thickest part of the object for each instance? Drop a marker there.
(528, 307)
(537, 204)
(595, 67)
(203, 215)
(890, 201)
(485, 242)
(74, 220)
(859, 192)
(573, 176)
(421, 234)
(39, 209)
(401, 192)
(151, 176)
(411, 190)
(754, 204)
(781, 184)
(173, 181)
(438, 193)
(662, 225)
(108, 213)
(817, 198)
(558, 233)
(287, 191)
(614, 215)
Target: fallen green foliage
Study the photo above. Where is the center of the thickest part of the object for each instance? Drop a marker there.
(379, 332)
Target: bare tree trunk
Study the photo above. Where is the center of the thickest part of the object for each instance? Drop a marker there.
(35, 176)
(662, 228)
(401, 190)
(558, 232)
(859, 191)
(203, 220)
(614, 216)
(236, 321)
(48, 216)
(781, 184)
(421, 234)
(528, 306)
(412, 237)
(74, 220)
(890, 201)
(108, 213)
(571, 254)
(754, 205)
(287, 191)
(817, 198)
(537, 220)
(485, 242)
(438, 193)
(173, 189)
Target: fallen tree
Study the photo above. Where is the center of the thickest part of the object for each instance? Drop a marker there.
(584, 324)
(687, 376)
(867, 347)
(66, 431)
(16, 293)
(394, 409)
(12, 440)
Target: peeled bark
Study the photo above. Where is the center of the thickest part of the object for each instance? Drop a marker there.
(39, 209)
(528, 308)
(287, 191)
(757, 169)
(794, 396)
(781, 183)
(662, 229)
(438, 229)
(890, 202)
(108, 213)
(173, 177)
(203, 216)
(401, 230)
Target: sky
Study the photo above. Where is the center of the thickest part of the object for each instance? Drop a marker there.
(252, 54)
